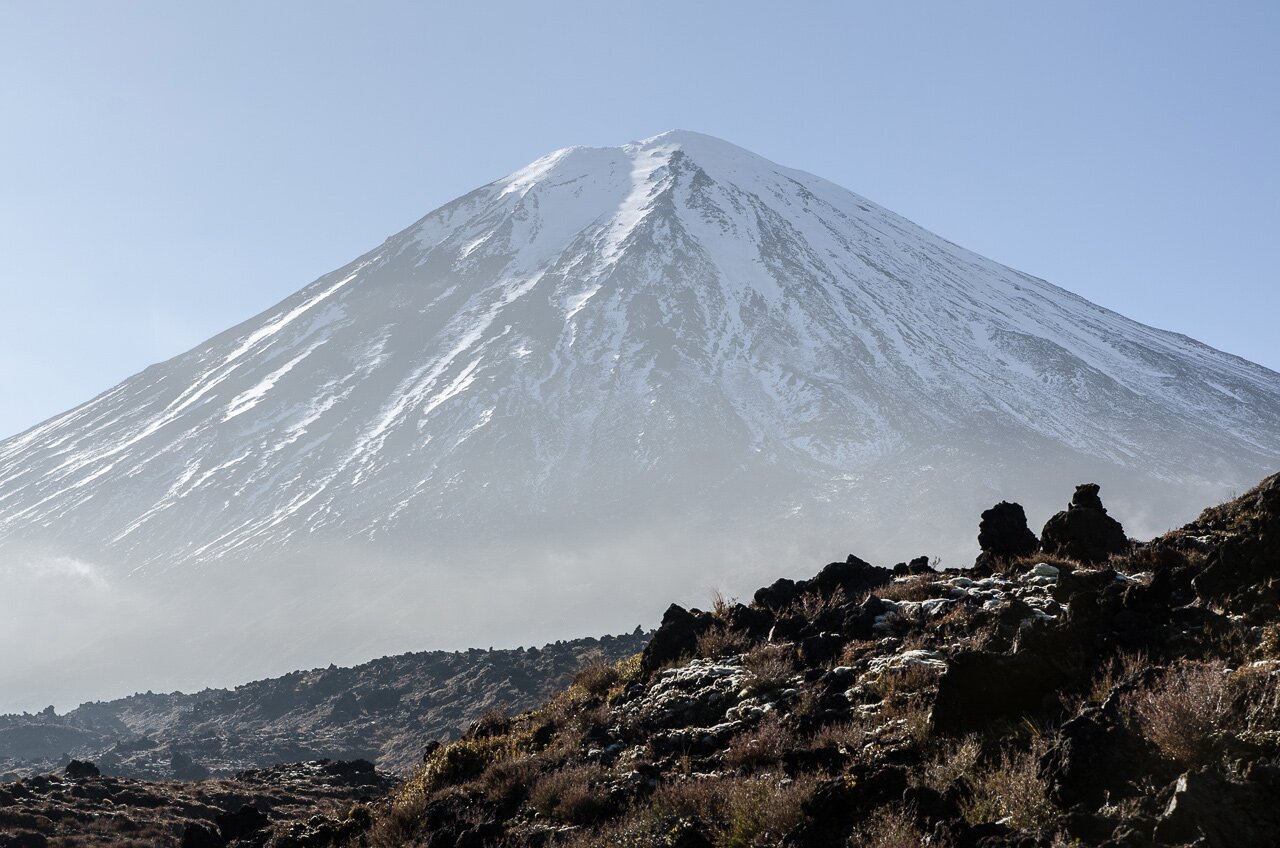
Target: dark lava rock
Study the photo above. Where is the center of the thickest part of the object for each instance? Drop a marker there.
(81, 770)
(199, 836)
(244, 822)
(919, 565)
(979, 688)
(820, 648)
(1084, 531)
(23, 840)
(1003, 531)
(853, 577)
(859, 622)
(753, 621)
(777, 595)
(1206, 806)
(111, 811)
(676, 637)
(1081, 580)
(1096, 757)
(930, 806)
(1243, 571)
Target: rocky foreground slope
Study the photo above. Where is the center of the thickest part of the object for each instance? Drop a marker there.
(1074, 688)
(384, 711)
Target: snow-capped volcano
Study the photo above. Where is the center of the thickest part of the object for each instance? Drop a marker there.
(674, 340)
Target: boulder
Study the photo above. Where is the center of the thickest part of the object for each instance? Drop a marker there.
(979, 688)
(1208, 809)
(196, 835)
(854, 577)
(753, 621)
(919, 565)
(676, 637)
(777, 595)
(1084, 531)
(1095, 757)
(860, 621)
(81, 770)
(244, 822)
(1003, 532)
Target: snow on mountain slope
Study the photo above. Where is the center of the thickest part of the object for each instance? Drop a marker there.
(614, 341)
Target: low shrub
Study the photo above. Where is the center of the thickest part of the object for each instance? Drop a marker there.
(904, 679)
(892, 828)
(771, 666)
(813, 605)
(720, 606)
(720, 641)
(597, 677)
(460, 761)
(1184, 711)
(738, 812)
(953, 764)
(846, 736)
(1114, 671)
(449, 766)
(762, 812)
(765, 745)
(1254, 691)
(905, 716)
(574, 795)
(509, 780)
(1010, 789)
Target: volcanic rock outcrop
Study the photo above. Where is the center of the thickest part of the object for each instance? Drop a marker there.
(1084, 531)
(1003, 533)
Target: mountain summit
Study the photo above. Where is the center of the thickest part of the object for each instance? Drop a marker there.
(618, 370)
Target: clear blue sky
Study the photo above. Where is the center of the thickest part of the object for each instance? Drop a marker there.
(169, 169)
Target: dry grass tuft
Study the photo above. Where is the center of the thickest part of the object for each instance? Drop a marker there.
(848, 737)
(1184, 711)
(917, 587)
(892, 828)
(574, 795)
(953, 764)
(903, 680)
(720, 641)
(765, 745)
(1119, 668)
(721, 606)
(740, 811)
(771, 666)
(1010, 789)
(1061, 563)
(597, 677)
